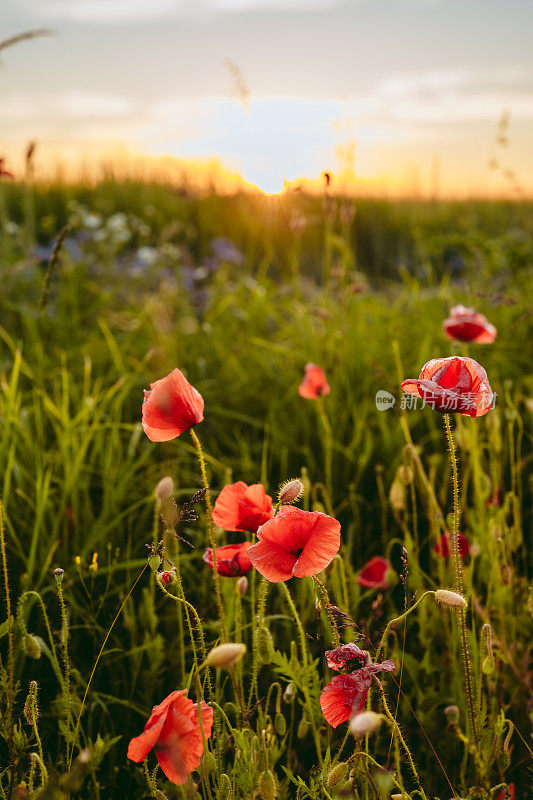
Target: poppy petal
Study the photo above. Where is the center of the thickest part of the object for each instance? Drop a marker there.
(272, 561)
(321, 547)
(171, 407)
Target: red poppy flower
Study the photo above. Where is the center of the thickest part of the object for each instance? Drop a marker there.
(4, 173)
(374, 573)
(456, 384)
(444, 546)
(242, 508)
(232, 559)
(348, 655)
(466, 325)
(346, 694)
(507, 795)
(314, 383)
(496, 499)
(171, 407)
(174, 732)
(295, 542)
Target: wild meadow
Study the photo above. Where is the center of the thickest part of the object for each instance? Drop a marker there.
(276, 574)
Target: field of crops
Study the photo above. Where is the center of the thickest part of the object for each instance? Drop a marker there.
(107, 603)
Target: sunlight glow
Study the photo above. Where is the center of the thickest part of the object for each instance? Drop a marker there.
(271, 183)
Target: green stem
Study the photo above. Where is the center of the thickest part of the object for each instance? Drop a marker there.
(98, 659)
(66, 666)
(210, 532)
(397, 621)
(305, 662)
(459, 581)
(261, 600)
(398, 732)
(328, 451)
(10, 662)
(327, 605)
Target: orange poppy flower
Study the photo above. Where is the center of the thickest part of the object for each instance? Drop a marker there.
(171, 407)
(242, 508)
(314, 383)
(466, 325)
(174, 732)
(374, 573)
(232, 559)
(346, 695)
(455, 384)
(295, 543)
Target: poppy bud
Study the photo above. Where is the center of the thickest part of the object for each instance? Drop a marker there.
(267, 785)
(365, 723)
(226, 655)
(406, 474)
(488, 665)
(32, 646)
(290, 491)
(337, 774)
(504, 759)
(224, 786)
(397, 495)
(168, 512)
(452, 714)
(242, 584)
(266, 645)
(58, 574)
(289, 694)
(167, 576)
(449, 598)
(280, 724)
(303, 727)
(154, 562)
(209, 762)
(165, 488)
(30, 706)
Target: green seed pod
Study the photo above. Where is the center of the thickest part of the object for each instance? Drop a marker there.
(488, 665)
(32, 646)
(303, 727)
(154, 562)
(280, 724)
(289, 695)
(267, 785)
(224, 787)
(337, 774)
(504, 759)
(30, 706)
(266, 645)
(209, 762)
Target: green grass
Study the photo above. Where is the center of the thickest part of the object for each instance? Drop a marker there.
(78, 474)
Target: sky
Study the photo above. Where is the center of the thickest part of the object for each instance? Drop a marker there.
(391, 96)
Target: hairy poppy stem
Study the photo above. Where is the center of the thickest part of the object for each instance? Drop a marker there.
(398, 733)
(397, 621)
(66, 666)
(459, 579)
(10, 661)
(261, 600)
(216, 576)
(303, 647)
(328, 447)
(108, 634)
